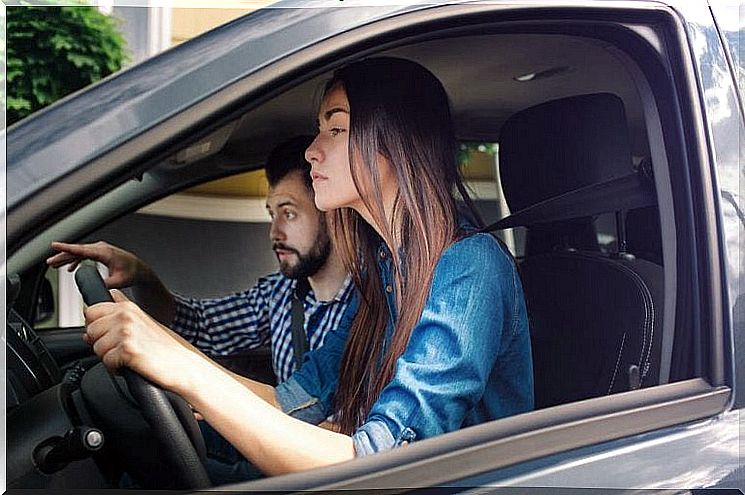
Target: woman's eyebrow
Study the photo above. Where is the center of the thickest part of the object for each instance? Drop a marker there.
(327, 115)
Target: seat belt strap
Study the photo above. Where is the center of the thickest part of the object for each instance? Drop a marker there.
(299, 337)
(623, 193)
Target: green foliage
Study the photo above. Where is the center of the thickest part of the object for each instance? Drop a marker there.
(466, 149)
(54, 51)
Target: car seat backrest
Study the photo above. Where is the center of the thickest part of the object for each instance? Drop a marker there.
(595, 318)
(560, 146)
(595, 326)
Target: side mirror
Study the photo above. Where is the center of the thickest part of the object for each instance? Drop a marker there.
(44, 303)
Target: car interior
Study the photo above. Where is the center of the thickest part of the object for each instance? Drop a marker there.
(594, 217)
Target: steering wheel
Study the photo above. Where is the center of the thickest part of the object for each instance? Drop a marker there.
(170, 418)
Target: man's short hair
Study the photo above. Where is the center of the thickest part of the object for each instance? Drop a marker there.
(289, 157)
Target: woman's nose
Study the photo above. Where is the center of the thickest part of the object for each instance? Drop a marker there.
(313, 153)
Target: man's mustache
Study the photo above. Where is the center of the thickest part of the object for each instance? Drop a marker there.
(284, 247)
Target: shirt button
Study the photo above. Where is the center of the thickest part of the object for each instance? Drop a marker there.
(382, 254)
(388, 288)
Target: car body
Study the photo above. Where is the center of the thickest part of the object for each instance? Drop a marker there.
(238, 90)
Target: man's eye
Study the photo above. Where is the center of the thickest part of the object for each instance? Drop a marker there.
(289, 215)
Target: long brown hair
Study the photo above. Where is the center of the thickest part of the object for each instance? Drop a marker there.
(400, 110)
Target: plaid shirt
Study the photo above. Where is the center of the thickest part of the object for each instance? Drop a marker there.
(257, 317)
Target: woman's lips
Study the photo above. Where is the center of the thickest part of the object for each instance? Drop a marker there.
(317, 177)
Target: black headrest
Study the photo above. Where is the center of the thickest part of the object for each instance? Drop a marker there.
(562, 145)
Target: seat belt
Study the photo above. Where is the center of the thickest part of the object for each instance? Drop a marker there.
(299, 337)
(622, 193)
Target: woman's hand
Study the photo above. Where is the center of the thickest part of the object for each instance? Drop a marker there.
(125, 269)
(123, 335)
(242, 412)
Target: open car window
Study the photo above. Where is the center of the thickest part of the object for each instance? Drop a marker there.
(589, 175)
(206, 241)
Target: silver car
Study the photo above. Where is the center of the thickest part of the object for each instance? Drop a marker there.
(617, 184)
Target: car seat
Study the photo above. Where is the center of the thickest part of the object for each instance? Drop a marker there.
(595, 317)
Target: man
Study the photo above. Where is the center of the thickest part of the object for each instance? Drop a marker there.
(263, 314)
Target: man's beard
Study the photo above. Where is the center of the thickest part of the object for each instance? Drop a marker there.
(307, 264)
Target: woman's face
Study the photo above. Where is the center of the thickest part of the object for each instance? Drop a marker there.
(328, 155)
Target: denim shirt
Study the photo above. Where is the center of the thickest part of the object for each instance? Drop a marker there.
(468, 359)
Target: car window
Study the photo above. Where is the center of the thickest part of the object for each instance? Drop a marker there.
(207, 241)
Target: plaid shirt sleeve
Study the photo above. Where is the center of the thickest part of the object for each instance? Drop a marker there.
(226, 325)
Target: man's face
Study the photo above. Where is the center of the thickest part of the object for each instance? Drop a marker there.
(298, 233)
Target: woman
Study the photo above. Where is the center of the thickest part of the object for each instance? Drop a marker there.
(438, 338)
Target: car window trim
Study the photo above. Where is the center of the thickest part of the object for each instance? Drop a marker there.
(703, 184)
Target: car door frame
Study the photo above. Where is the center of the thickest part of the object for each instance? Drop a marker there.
(495, 445)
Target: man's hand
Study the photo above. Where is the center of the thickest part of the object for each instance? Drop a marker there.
(125, 269)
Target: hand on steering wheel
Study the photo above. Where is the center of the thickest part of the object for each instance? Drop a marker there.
(168, 415)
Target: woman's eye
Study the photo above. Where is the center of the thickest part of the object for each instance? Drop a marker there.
(335, 131)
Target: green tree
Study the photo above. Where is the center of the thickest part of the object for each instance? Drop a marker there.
(54, 51)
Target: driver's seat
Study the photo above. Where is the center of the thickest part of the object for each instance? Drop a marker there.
(595, 317)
